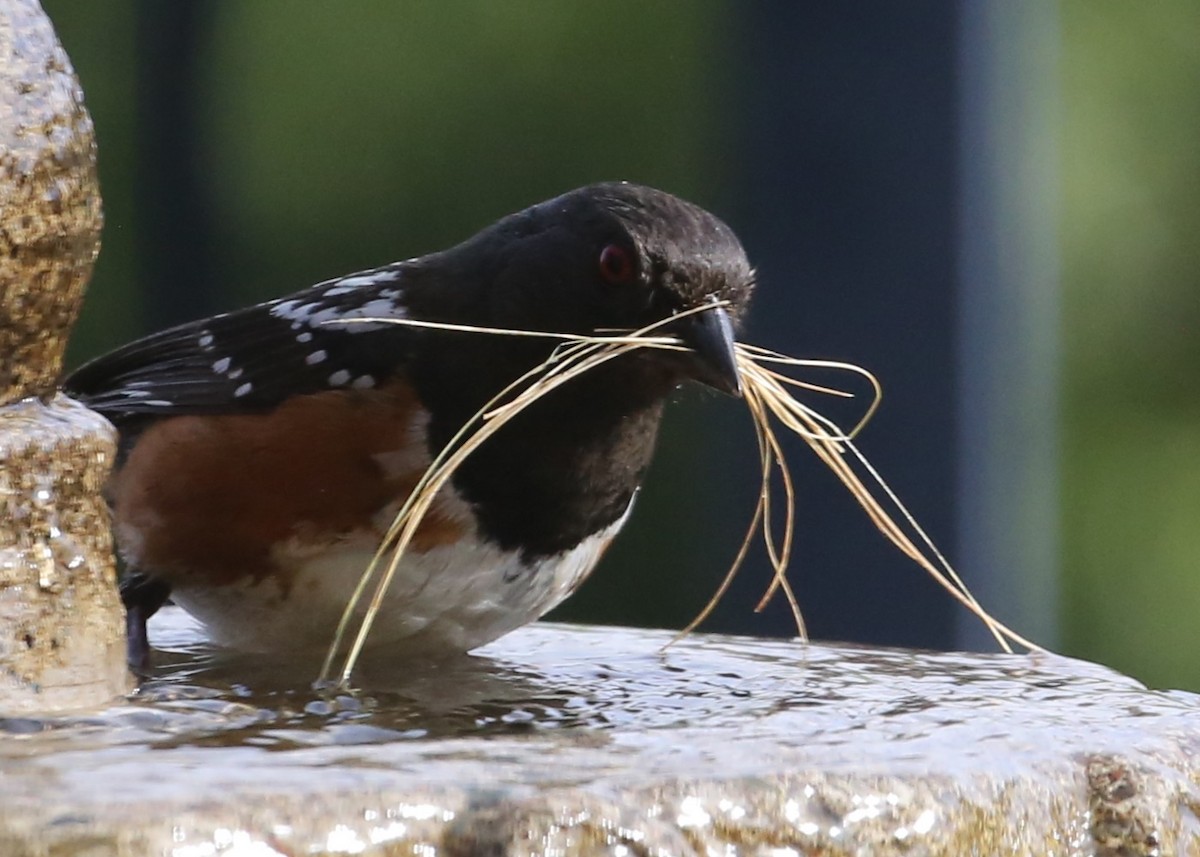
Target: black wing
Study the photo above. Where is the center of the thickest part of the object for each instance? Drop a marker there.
(254, 358)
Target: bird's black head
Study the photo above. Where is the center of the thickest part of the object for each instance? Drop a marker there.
(619, 256)
(601, 258)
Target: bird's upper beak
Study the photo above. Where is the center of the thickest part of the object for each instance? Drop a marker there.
(710, 336)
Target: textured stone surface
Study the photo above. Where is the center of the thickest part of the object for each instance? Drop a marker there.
(60, 618)
(49, 201)
(571, 741)
(61, 631)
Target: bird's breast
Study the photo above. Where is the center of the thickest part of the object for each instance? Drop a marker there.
(445, 599)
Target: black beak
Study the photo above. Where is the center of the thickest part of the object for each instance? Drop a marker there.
(710, 335)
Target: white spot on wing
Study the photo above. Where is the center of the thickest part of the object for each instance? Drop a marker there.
(221, 366)
(378, 275)
(339, 378)
(363, 382)
(377, 308)
(286, 309)
(243, 390)
(314, 314)
(234, 374)
(380, 308)
(206, 340)
(315, 357)
(304, 337)
(349, 284)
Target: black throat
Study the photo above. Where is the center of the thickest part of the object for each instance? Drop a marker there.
(564, 468)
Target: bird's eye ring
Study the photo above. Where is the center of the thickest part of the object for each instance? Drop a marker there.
(616, 265)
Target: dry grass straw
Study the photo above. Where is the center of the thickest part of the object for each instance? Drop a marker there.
(767, 395)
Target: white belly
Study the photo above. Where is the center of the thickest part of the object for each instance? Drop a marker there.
(445, 600)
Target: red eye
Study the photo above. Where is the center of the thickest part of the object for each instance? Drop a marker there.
(616, 265)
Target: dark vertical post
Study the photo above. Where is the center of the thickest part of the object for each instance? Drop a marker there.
(896, 196)
(176, 246)
(847, 199)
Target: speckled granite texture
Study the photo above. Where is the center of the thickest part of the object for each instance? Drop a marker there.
(60, 618)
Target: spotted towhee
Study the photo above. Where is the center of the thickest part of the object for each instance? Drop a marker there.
(264, 452)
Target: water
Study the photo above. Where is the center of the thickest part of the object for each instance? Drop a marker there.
(612, 683)
(553, 707)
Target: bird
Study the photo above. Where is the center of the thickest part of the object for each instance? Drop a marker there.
(264, 452)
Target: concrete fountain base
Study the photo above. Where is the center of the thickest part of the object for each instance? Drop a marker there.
(573, 740)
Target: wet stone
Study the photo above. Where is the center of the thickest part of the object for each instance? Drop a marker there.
(49, 201)
(60, 618)
(61, 634)
(716, 745)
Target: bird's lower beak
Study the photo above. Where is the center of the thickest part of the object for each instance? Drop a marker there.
(710, 336)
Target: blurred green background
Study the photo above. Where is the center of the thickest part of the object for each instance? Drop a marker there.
(1131, 285)
(317, 139)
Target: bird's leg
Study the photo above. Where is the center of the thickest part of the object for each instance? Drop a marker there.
(142, 595)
